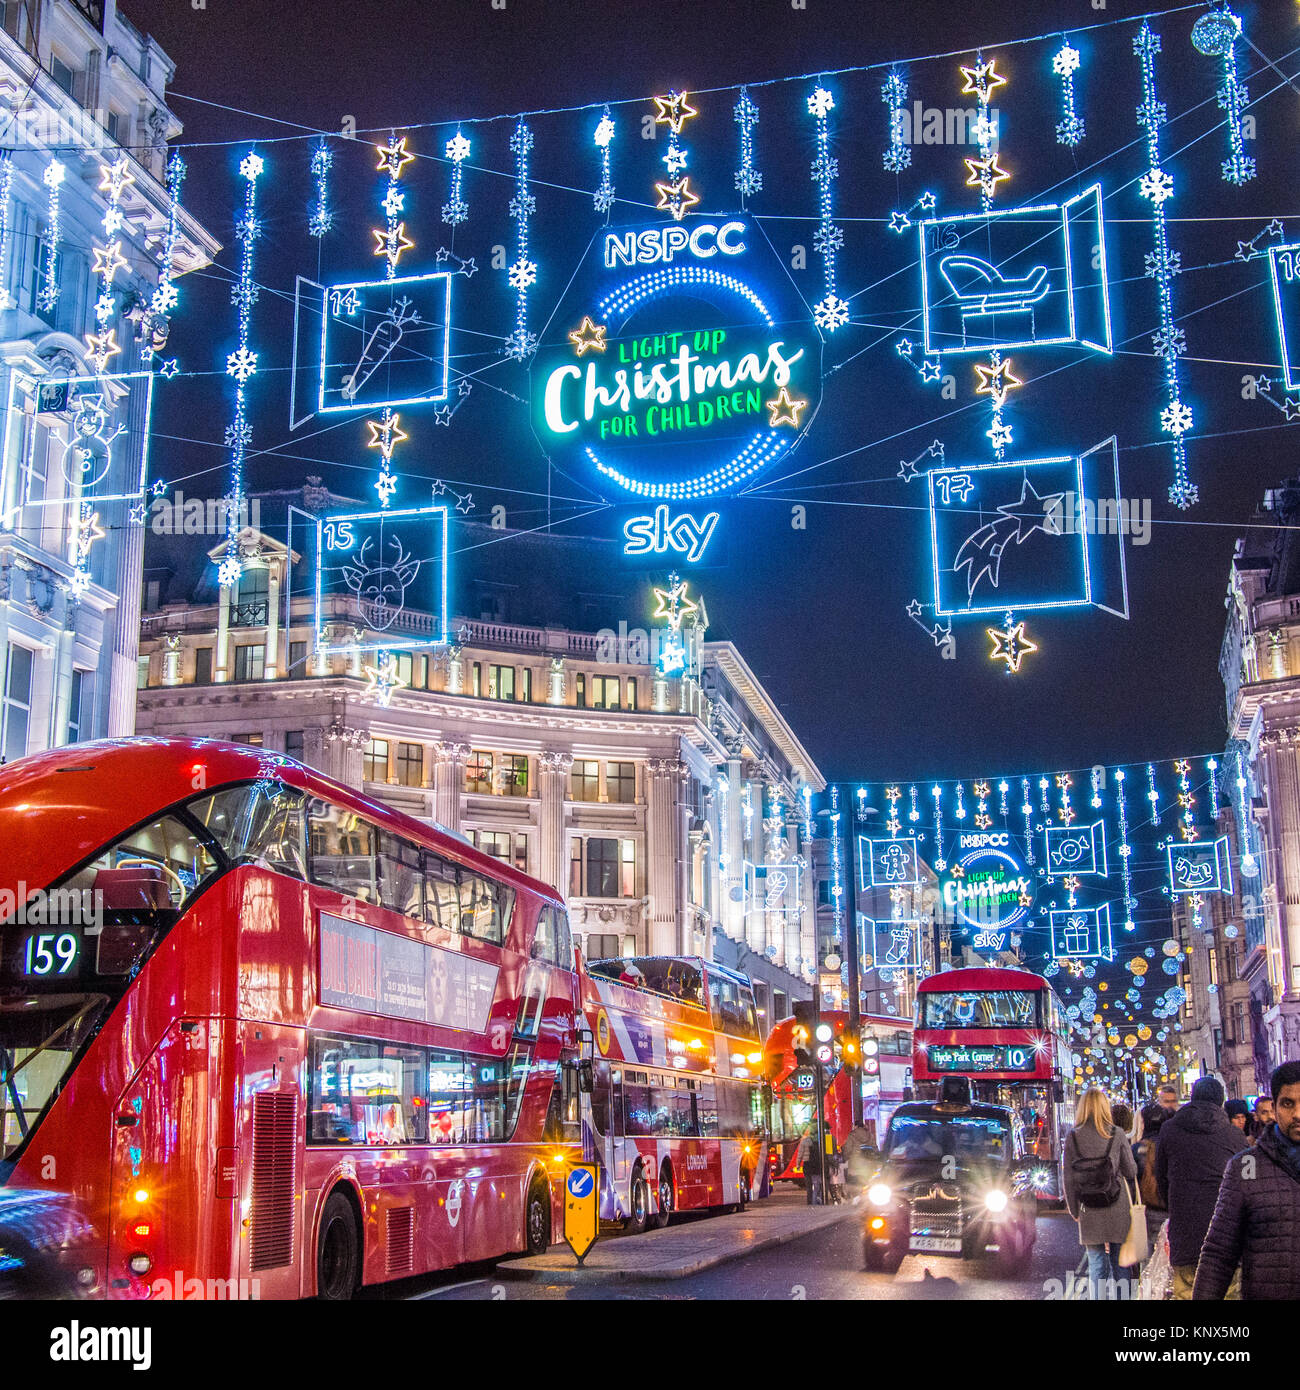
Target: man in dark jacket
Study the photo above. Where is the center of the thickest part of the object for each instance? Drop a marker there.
(1257, 1219)
(1191, 1151)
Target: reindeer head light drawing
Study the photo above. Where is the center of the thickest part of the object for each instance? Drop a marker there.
(381, 588)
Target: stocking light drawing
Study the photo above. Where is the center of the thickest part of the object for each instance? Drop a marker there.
(1065, 63)
(1216, 34)
(894, 94)
(48, 295)
(321, 219)
(521, 344)
(830, 312)
(455, 210)
(748, 179)
(603, 198)
(1162, 265)
(242, 363)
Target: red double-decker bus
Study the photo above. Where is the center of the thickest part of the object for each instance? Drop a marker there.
(265, 1037)
(883, 1063)
(676, 1115)
(1007, 1032)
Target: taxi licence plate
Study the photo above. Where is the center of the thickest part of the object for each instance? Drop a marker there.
(943, 1245)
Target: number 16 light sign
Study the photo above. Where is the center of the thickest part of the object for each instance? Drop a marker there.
(1284, 262)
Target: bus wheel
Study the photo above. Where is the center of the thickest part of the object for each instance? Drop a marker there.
(338, 1256)
(640, 1198)
(664, 1214)
(537, 1219)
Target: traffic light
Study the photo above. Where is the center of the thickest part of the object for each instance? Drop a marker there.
(825, 1035)
(850, 1051)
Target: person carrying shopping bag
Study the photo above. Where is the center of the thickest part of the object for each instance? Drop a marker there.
(1098, 1168)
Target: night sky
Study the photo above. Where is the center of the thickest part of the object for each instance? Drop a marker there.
(819, 614)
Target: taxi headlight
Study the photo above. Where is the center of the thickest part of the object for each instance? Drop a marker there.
(880, 1194)
(996, 1200)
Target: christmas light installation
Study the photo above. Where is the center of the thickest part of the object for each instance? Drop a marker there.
(894, 94)
(1153, 796)
(242, 363)
(383, 680)
(1063, 784)
(1212, 786)
(166, 296)
(984, 173)
(939, 863)
(1248, 865)
(914, 814)
(1162, 265)
(48, 295)
(391, 240)
(114, 179)
(1186, 799)
(1010, 644)
(1065, 63)
(830, 312)
(6, 224)
(520, 344)
(603, 198)
(676, 196)
(1216, 34)
(321, 219)
(1125, 852)
(748, 179)
(455, 210)
(885, 862)
(385, 436)
(837, 869)
(722, 786)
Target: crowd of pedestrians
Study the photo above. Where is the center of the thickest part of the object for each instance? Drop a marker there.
(1216, 1179)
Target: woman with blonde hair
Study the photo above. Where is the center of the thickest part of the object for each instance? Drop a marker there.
(1097, 1168)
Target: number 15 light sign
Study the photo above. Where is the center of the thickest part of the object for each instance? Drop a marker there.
(1284, 262)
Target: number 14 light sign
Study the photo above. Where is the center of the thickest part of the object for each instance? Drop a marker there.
(1284, 262)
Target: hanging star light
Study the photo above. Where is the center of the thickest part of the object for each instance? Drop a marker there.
(588, 337)
(674, 111)
(676, 197)
(985, 173)
(1010, 644)
(982, 80)
(672, 603)
(785, 409)
(996, 381)
(383, 680)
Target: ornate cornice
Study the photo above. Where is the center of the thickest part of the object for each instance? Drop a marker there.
(556, 760)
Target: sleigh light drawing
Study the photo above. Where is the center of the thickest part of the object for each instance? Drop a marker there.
(382, 578)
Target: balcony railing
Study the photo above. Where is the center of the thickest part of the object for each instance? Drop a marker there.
(251, 614)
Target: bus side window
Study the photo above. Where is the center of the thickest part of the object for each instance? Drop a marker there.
(257, 825)
(400, 876)
(544, 936)
(342, 851)
(441, 892)
(600, 1098)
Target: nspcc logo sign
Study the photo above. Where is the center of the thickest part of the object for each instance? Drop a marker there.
(680, 364)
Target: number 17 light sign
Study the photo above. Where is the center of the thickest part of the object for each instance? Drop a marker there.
(1284, 262)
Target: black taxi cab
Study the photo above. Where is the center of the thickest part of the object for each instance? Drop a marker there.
(956, 1179)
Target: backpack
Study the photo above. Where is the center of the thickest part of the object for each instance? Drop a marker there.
(1096, 1183)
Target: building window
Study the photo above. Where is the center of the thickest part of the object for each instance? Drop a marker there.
(295, 743)
(410, 764)
(297, 659)
(62, 74)
(513, 773)
(497, 843)
(203, 666)
(142, 673)
(478, 680)
(152, 595)
(478, 772)
(16, 17)
(526, 685)
(521, 853)
(405, 669)
(249, 740)
(620, 782)
(501, 683)
(421, 680)
(584, 780)
(249, 662)
(606, 691)
(251, 600)
(602, 947)
(17, 704)
(631, 692)
(80, 707)
(375, 762)
(580, 690)
(602, 868)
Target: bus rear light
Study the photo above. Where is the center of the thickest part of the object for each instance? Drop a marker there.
(141, 1195)
(142, 1230)
(877, 1223)
(139, 1264)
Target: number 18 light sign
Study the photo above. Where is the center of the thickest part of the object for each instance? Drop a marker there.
(1284, 262)
(680, 363)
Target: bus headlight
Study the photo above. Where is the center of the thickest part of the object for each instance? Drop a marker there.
(880, 1194)
(996, 1200)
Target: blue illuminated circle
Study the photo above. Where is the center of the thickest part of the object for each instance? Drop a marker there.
(1215, 33)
